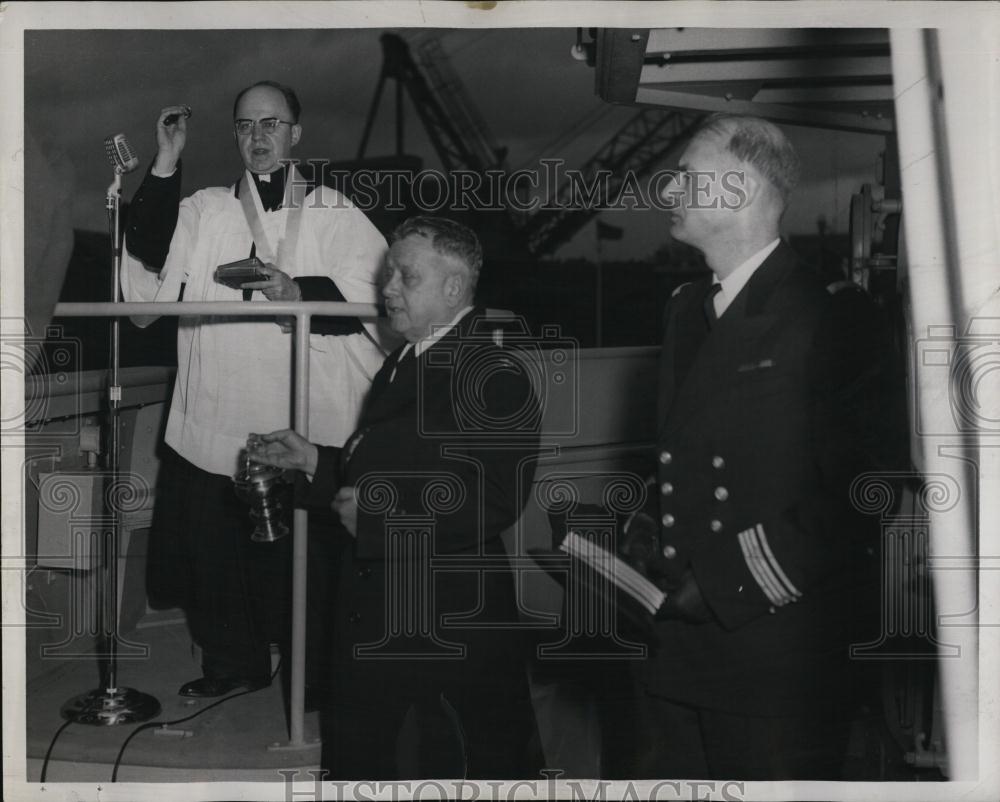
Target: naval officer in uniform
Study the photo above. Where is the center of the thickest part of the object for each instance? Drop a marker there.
(761, 431)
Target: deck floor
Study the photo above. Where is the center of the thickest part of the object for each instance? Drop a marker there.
(231, 740)
(246, 738)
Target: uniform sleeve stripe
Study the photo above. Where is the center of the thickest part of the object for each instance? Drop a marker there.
(756, 565)
(774, 563)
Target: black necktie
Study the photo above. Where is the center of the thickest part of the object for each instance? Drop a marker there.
(709, 304)
(404, 357)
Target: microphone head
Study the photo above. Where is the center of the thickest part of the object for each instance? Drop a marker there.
(120, 154)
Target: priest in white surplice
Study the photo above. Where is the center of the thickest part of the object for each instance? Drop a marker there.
(234, 375)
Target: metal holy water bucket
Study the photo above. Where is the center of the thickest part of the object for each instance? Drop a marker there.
(266, 491)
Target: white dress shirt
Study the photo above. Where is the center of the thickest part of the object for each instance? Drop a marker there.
(437, 332)
(736, 281)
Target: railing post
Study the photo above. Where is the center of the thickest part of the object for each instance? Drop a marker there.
(299, 538)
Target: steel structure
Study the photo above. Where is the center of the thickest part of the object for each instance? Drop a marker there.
(461, 109)
(449, 143)
(463, 141)
(645, 141)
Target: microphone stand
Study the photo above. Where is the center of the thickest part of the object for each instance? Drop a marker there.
(112, 704)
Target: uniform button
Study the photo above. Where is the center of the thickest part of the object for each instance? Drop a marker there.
(669, 552)
(354, 618)
(718, 462)
(668, 519)
(365, 572)
(721, 493)
(666, 488)
(715, 525)
(666, 457)
(771, 609)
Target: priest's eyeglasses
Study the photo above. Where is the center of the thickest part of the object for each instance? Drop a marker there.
(268, 125)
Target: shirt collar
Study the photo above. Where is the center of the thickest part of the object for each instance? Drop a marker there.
(437, 332)
(736, 281)
(271, 187)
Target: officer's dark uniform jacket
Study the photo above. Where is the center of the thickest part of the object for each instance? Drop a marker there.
(757, 446)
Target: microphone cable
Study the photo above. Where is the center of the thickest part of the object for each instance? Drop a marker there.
(48, 752)
(151, 724)
(147, 725)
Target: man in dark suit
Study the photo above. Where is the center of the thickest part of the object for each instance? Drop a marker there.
(764, 416)
(439, 466)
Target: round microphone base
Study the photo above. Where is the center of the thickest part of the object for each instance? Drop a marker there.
(109, 707)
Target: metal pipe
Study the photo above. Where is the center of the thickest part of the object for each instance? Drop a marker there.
(300, 523)
(217, 308)
(935, 298)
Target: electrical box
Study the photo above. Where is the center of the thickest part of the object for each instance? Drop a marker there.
(71, 519)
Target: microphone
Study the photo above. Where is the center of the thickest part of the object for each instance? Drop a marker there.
(120, 154)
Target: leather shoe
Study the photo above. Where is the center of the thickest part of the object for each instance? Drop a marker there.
(208, 687)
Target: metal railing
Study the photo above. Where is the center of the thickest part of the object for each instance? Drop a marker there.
(302, 312)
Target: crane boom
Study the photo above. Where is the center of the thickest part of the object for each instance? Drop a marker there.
(451, 147)
(462, 110)
(463, 141)
(642, 143)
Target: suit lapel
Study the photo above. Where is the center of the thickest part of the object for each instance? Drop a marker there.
(386, 397)
(682, 337)
(734, 339)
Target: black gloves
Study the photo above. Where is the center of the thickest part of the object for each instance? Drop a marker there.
(639, 545)
(685, 602)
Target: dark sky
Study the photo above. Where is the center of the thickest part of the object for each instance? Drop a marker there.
(81, 86)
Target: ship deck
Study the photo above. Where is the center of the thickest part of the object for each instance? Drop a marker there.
(242, 737)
